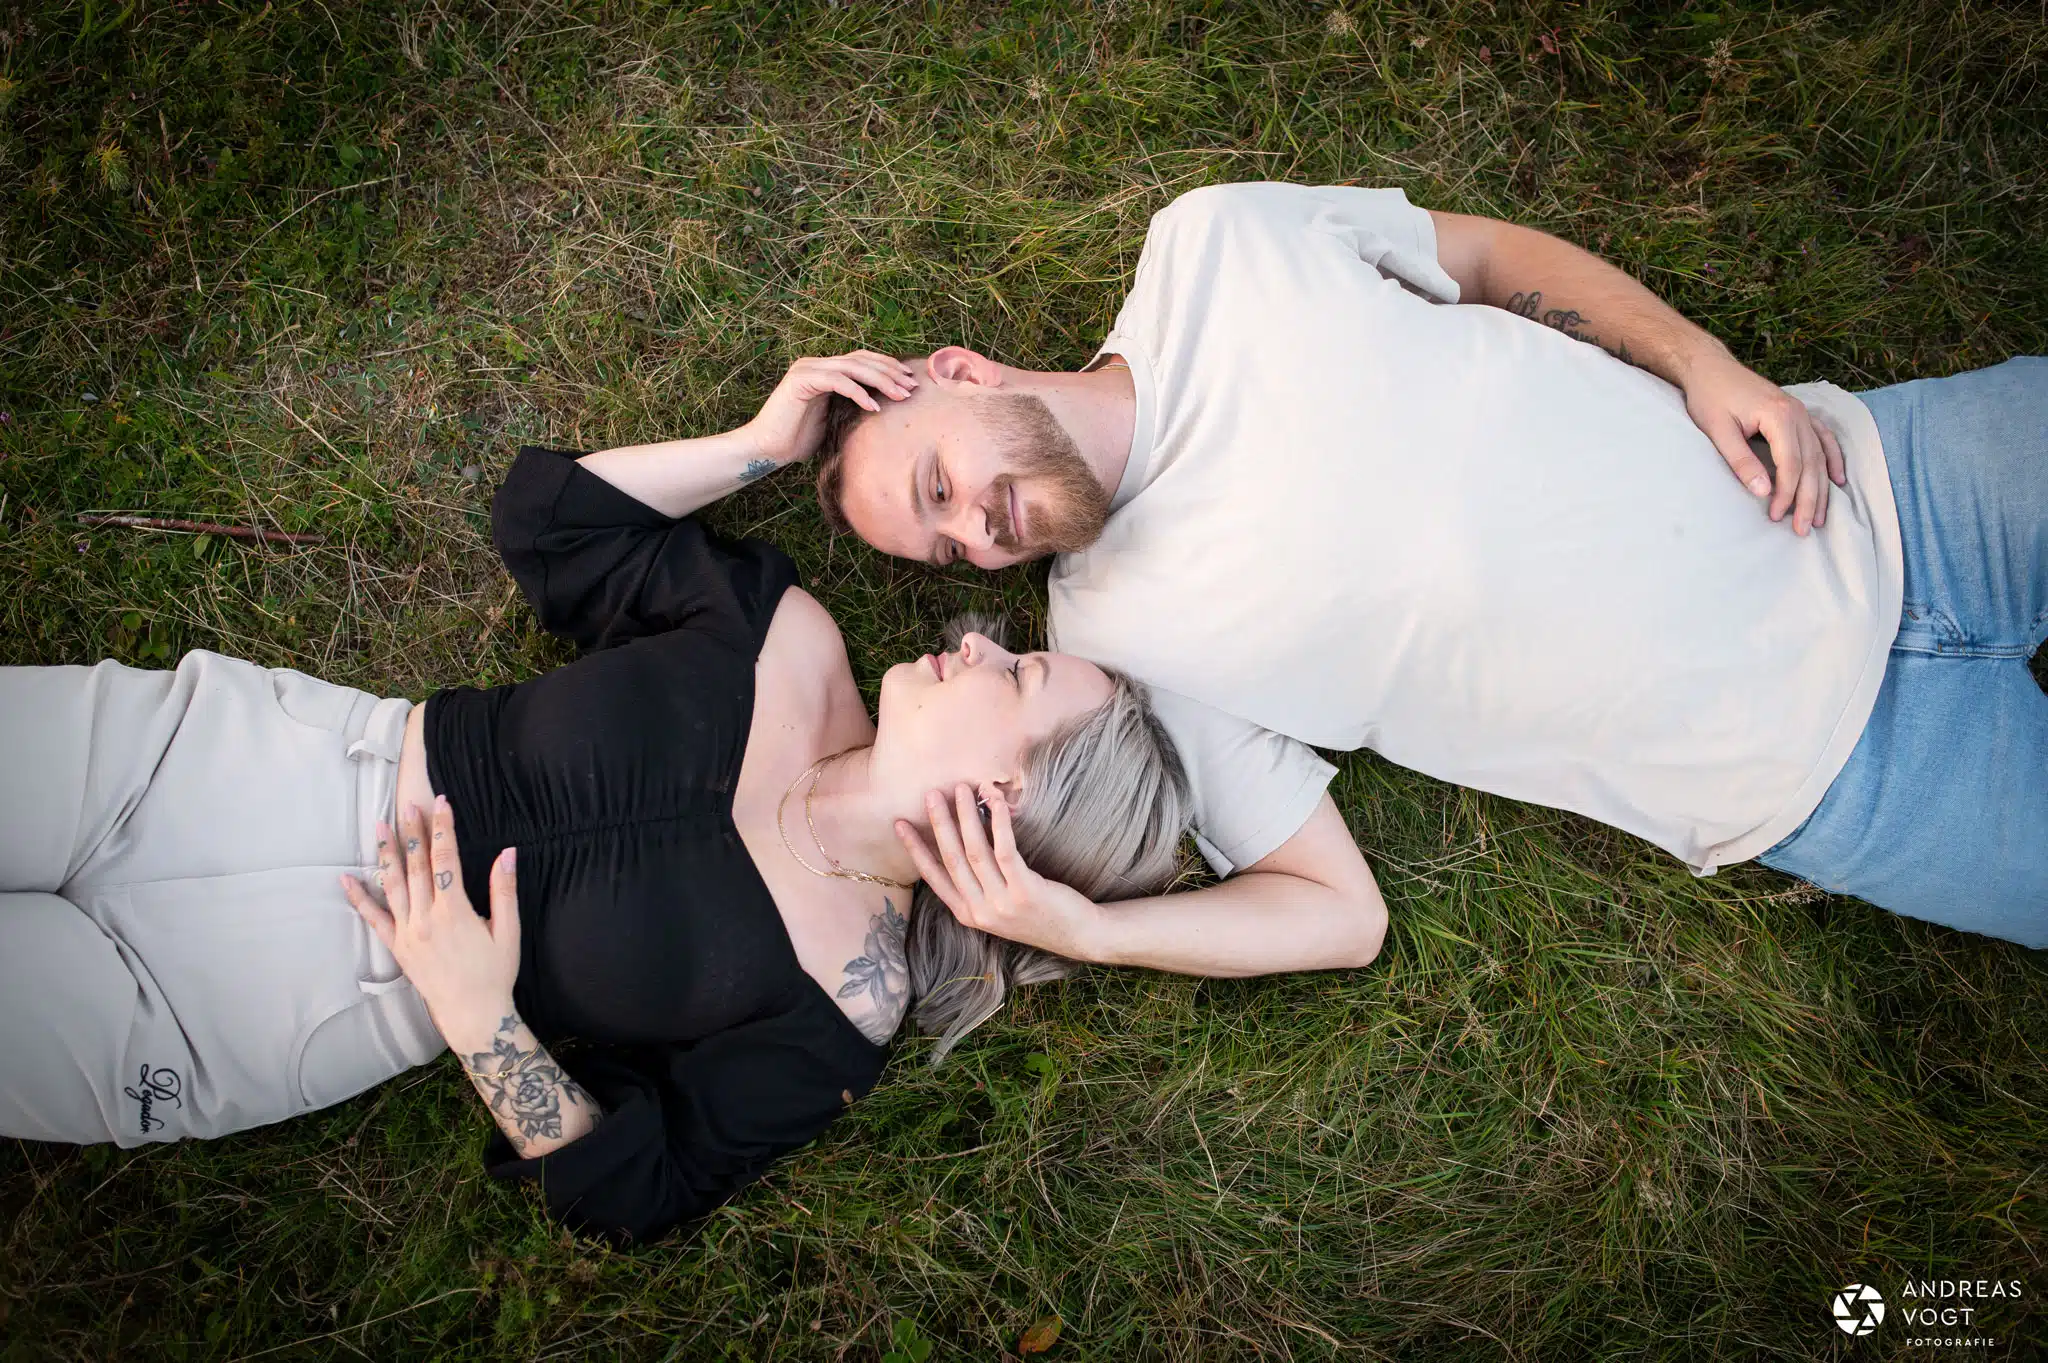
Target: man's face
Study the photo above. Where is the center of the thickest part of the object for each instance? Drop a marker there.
(986, 476)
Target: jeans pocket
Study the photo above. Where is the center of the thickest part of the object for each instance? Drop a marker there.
(1927, 629)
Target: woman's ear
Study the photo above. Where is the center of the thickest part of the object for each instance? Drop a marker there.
(1010, 790)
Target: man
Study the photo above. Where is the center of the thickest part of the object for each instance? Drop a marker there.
(1352, 474)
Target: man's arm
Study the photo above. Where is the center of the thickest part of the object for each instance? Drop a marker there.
(676, 477)
(1535, 275)
(1310, 904)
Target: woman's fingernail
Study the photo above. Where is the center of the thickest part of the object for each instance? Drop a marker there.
(440, 802)
(508, 858)
(1759, 485)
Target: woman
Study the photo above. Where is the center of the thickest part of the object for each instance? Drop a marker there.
(711, 888)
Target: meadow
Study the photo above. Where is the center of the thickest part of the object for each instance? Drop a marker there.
(319, 266)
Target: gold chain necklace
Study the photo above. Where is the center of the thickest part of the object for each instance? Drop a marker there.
(838, 872)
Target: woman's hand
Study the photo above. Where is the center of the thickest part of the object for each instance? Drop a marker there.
(791, 421)
(990, 887)
(1731, 402)
(463, 966)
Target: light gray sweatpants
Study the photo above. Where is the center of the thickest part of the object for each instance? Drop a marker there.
(176, 956)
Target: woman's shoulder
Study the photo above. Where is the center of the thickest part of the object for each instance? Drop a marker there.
(805, 696)
(803, 635)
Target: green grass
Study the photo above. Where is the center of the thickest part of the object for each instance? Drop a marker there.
(322, 264)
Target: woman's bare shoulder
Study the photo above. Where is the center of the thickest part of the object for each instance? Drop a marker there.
(803, 632)
(803, 676)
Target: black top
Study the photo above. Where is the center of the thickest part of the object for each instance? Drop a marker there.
(645, 929)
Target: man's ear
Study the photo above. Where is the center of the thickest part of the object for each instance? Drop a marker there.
(957, 366)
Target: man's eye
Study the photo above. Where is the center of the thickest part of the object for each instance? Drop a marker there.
(939, 491)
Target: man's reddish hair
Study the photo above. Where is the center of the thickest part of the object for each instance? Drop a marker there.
(842, 413)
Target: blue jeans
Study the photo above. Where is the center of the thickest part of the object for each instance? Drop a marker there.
(1942, 810)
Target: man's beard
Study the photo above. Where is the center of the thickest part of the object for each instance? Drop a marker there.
(1034, 446)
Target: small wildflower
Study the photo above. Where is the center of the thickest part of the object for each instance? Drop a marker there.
(1419, 40)
(1720, 61)
(1034, 89)
(1339, 24)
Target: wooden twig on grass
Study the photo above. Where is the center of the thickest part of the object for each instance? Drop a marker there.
(239, 532)
(497, 616)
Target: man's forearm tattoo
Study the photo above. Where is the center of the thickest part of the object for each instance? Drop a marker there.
(758, 468)
(1570, 321)
(882, 972)
(524, 1087)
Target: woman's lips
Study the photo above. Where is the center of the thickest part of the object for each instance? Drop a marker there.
(938, 665)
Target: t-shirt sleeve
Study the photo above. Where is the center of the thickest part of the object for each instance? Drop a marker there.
(601, 567)
(685, 1128)
(1253, 788)
(1378, 225)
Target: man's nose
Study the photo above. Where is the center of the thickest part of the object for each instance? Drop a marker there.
(972, 525)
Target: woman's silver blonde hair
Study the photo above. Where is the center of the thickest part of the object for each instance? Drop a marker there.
(1105, 803)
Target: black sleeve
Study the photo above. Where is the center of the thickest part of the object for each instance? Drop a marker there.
(601, 567)
(685, 1129)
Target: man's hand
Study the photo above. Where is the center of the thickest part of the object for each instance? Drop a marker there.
(463, 966)
(990, 887)
(1731, 403)
(790, 422)
(1516, 268)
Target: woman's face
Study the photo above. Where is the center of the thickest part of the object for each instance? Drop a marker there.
(970, 715)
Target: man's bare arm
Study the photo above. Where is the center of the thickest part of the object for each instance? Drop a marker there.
(1552, 282)
(1310, 904)
(1548, 280)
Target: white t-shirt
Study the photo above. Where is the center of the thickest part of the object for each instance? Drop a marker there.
(1355, 517)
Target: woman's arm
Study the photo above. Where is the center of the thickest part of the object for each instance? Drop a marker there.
(464, 967)
(537, 1105)
(676, 477)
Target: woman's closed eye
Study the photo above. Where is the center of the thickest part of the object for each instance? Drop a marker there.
(1016, 680)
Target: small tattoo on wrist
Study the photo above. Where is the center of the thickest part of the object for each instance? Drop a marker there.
(524, 1087)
